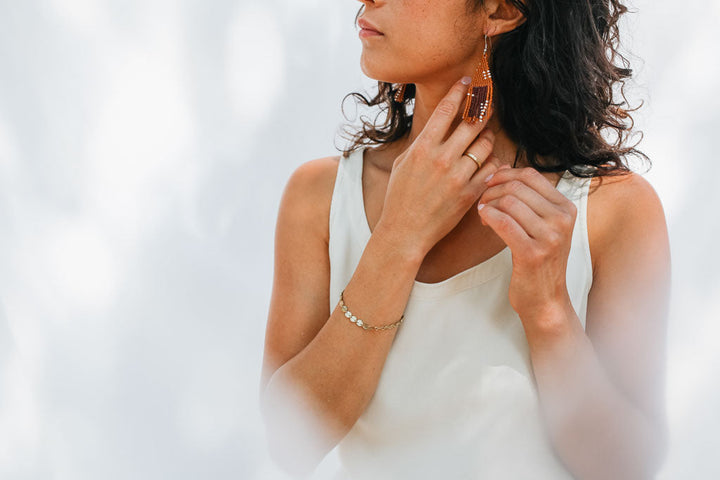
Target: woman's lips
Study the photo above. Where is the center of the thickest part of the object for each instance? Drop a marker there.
(365, 33)
(368, 28)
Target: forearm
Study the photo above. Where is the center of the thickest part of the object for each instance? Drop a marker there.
(320, 393)
(595, 430)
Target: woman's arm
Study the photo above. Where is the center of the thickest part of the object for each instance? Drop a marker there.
(319, 373)
(602, 389)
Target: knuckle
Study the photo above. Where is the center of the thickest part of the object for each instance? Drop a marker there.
(513, 186)
(456, 181)
(485, 144)
(441, 162)
(467, 196)
(540, 255)
(553, 240)
(421, 146)
(420, 152)
(572, 212)
(446, 107)
(503, 223)
(529, 173)
(506, 202)
(490, 168)
(565, 220)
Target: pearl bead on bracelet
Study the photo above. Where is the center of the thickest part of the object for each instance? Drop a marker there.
(348, 314)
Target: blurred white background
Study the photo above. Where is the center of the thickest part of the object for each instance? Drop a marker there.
(144, 146)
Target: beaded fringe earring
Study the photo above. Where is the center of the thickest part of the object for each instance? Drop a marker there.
(479, 95)
(400, 93)
(480, 91)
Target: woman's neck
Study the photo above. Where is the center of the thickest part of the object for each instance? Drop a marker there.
(505, 149)
(427, 98)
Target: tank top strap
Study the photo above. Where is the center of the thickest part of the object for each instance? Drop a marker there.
(574, 188)
(579, 271)
(340, 182)
(347, 209)
(348, 228)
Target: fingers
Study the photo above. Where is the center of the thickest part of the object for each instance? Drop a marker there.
(520, 212)
(464, 134)
(444, 114)
(505, 227)
(477, 182)
(533, 179)
(522, 206)
(481, 147)
(519, 190)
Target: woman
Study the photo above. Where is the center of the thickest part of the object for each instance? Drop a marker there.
(509, 275)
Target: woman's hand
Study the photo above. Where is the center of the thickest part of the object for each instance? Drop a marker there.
(432, 185)
(536, 221)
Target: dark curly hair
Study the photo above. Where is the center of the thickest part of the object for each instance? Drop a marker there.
(558, 77)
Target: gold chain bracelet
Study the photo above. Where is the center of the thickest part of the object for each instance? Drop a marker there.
(361, 323)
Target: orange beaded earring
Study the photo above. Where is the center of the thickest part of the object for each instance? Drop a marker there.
(479, 95)
(480, 91)
(400, 93)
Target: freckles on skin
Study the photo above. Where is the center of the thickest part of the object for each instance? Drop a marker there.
(442, 36)
(424, 41)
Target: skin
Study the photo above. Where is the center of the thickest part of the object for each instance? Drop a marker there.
(433, 213)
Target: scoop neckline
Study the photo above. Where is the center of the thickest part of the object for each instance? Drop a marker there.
(471, 276)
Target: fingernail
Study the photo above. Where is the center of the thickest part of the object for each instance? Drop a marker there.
(465, 80)
(481, 205)
(489, 177)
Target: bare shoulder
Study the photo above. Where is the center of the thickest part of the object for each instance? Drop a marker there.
(624, 208)
(309, 190)
(317, 171)
(622, 188)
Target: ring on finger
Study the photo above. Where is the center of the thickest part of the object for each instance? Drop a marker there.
(474, 158)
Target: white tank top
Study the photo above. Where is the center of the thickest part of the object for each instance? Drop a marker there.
(456, 397)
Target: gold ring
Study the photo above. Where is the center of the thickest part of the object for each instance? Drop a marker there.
(474, 158)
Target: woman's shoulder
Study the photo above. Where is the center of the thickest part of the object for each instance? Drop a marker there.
(631, 184)
(623, 197)
(308, 192)
(316, 173)
(622, 208)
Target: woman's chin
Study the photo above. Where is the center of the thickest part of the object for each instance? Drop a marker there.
(377, 72)
(379, 76)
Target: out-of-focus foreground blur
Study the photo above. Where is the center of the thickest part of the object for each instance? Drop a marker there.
(144, 146)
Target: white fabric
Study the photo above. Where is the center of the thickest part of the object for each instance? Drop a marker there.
(456, 397)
